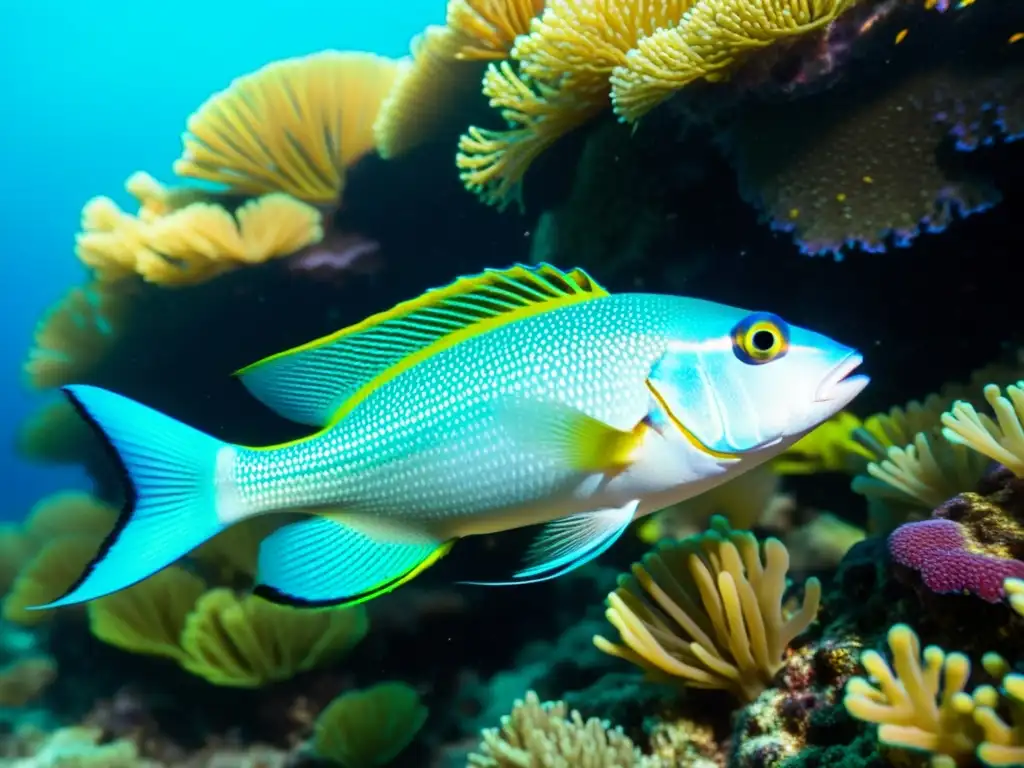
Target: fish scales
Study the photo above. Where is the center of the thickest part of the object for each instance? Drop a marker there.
(426, 445)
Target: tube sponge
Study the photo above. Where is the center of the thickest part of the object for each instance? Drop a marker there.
(293, 126)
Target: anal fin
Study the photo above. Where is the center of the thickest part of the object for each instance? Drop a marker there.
(320, 562)
(569, 542)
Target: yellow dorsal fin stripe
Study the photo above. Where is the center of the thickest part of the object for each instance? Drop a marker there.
(310, 383)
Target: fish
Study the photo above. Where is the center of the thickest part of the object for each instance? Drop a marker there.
(526, 396)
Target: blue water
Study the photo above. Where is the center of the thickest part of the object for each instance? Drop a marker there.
(95, 90)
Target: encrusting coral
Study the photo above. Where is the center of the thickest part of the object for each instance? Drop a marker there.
(293, 126)
(707, 612)
(549, 736)
(369, 727)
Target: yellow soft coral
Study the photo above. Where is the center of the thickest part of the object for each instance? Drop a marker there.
(47, 576)
(1000, 440)
(248, 642)
(24, 680)
(55, 433)
(923, 708)
(709, 42)
(549, 735)
(831, 447)
(69, 513)
(707, 611)
(369, 727)
(562, 82)
(490, 27)
(293, 126)
(1004, 741)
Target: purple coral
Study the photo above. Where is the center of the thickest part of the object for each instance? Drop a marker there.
(943, 553)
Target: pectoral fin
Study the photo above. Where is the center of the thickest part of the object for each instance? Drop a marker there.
(321, 562)
(571, 436)
(568, 543)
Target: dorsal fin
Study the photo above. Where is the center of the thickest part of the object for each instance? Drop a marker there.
(309, 383)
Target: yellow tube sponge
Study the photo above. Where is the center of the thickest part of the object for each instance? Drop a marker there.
(490, 27)
(548, 734)
(149, 617)
(709, 42)
(707, 611)
(47, 576)
(293, 126)
(248, 642)
(371, 727)
(1000, 439)
(917, 707)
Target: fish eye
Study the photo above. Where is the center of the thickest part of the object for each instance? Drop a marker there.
(760, 338)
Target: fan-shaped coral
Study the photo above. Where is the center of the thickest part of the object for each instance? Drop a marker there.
(708, 43)
(707, 611)
(369, 727)
(293, 126)
(47, 576)
(248, 642)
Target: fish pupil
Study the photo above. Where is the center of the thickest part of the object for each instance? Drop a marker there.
(763, 341)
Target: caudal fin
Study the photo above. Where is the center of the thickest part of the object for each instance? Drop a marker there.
(171, 508)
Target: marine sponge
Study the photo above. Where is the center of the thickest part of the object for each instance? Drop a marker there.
(293, 126)
(949, 561)
(859, 167)
(248, 642)
(549, 736)
(707, 611)
(369, 727)
(708, 43)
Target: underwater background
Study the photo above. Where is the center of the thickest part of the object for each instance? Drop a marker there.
(191, 187)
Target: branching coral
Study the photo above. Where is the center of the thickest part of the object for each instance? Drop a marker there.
(709, 42)
(293, 126)
(549, 736)
(707, 611)
(369, 727)
(918, 707)
(926, 707)
(1002, 439)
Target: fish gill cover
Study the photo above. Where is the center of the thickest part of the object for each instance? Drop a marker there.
(856, 601)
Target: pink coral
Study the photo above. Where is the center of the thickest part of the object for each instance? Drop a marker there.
(943, 552)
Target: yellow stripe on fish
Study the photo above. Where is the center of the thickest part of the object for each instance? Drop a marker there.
(522, 397)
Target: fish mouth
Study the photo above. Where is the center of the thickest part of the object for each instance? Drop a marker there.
(839, 383)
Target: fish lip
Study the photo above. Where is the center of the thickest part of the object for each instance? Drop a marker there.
(839, 384)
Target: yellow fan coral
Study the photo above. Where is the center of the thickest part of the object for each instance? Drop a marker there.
(293, 126)
(490, 27)
(708, 43)
(549, 735)
(248, 642)
(564, 65)
(707, 611)
(74, 335)
(149, 617)
(69, 513)
(47, 576)
(369, 727)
